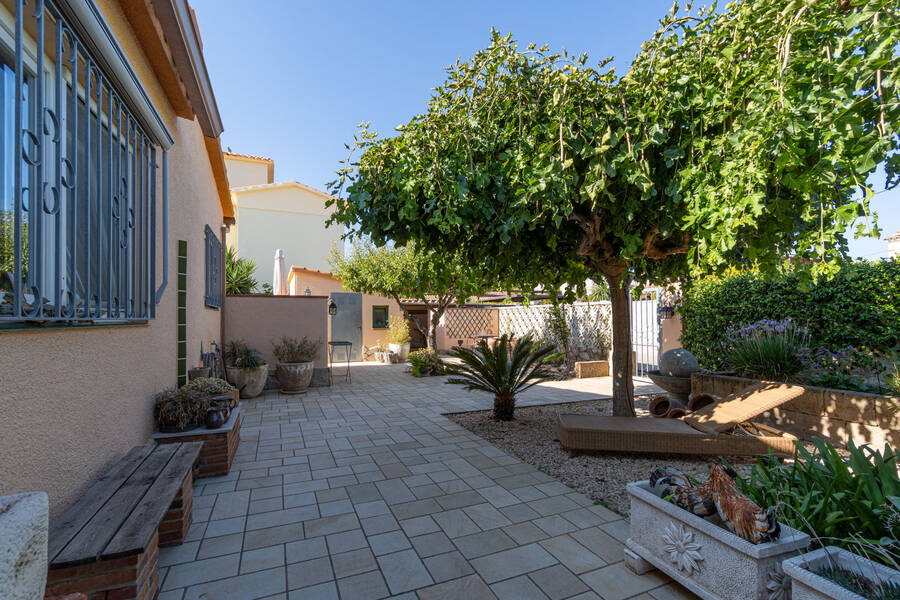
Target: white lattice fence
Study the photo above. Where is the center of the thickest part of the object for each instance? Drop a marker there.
(464, 323)
(584, 319)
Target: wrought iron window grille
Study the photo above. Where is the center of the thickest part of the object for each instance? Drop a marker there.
(78, 181)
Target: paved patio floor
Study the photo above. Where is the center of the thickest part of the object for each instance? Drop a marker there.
(364, 491)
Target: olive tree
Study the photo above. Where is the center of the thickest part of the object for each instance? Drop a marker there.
(406, 272)
(736, 137)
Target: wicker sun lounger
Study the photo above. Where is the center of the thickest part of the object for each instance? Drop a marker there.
(723, 428)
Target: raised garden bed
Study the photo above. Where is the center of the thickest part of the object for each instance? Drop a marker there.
(219, 445)
(838, 415)
(702, 555)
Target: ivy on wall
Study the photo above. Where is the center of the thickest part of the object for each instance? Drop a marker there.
(859, 307)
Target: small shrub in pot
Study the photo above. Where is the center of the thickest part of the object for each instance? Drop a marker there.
(425, 362)
(295, 363)
(173, 412)
(398, 337)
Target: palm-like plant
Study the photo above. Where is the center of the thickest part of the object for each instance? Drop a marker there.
(504, 371)
(239, 273)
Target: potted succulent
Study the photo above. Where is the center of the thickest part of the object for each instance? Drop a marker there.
(295, 363)
(398, 337)
(833, 573)
(245, 369)
(174, 413)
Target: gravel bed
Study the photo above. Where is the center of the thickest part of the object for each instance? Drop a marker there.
(531, 437)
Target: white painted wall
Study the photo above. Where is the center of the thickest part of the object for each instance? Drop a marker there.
(243, 171)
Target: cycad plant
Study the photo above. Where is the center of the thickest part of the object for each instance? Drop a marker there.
(503, 371)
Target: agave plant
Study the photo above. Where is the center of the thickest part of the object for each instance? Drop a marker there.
(504, 371)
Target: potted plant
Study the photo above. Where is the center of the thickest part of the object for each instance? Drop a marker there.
(295, 363)
(206, 388)
(174, 413)
(833, 573)
(425, 362)
(503, 371)
(382, 354)
(245, 369)
(198, 372)
(398, 337)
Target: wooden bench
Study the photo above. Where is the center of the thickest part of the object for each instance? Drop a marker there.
(106, 544)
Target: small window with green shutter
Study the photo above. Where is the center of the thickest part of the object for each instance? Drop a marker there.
(379, 317)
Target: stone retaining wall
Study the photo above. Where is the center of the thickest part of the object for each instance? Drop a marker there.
(837, 415)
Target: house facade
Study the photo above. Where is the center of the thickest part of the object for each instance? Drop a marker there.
(112, 275)
(286, 215)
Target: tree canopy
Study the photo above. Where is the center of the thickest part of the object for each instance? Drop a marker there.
(740, 136)
(407, 272)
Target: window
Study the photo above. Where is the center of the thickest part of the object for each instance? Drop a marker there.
(213, 270)
(379, 317)
(78, 181)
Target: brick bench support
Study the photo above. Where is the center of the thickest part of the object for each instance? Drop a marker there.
(219, 445)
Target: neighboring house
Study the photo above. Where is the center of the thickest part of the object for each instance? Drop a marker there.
(364, 322)
(114, 274)
(893, 245)
(285, 215)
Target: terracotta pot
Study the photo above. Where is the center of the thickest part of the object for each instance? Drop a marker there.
(294, 378)
(250, 383)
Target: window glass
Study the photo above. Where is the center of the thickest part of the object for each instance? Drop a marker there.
(379, 317)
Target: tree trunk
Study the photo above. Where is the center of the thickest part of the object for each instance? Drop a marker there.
(504, 406)
(622, 358)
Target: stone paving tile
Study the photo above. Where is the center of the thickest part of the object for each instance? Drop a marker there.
(557, 582)
(403, 571)
(311, 572)
(471, 587)
(364, 490)
(518, 588)
(261, 584)
(510, 563)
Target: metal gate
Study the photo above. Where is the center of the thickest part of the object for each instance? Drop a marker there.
(646, 332)
(346, 324)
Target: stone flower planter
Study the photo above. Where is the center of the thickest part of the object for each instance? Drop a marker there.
(250, 383)
(294, 378)
(702, 555)
(401, 350)
(806, 584)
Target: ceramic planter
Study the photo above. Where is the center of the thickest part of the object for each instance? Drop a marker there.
(294, 378)
(702, 555)
(198, 372)
(401, 350)
(806, 584)
(250, 383)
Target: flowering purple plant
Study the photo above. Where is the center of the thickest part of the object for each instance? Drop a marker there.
(767, 349)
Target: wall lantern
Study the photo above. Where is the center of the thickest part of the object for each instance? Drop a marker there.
(332, 308)
(666, 312)
(308, 291)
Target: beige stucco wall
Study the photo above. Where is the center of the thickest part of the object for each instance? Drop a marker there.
(320, 284)
(290, 218)
(261, 320)
(246, 171)
(75, 401)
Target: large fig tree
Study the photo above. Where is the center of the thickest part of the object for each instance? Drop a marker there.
(740, 136)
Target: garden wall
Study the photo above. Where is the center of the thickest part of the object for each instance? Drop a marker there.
(838, 415)
(260, 320)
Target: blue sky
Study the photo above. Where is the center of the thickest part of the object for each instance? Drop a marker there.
(293, 78)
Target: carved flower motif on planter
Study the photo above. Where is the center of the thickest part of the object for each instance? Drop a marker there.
(778, 585)
(683, 551)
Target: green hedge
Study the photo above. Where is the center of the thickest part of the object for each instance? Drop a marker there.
(859, 307)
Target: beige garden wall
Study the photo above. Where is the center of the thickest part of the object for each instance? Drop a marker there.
(260, 320)
(76, 400)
